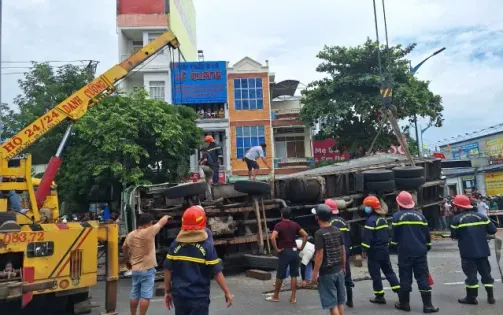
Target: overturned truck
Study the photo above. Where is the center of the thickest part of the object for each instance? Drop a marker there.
(242, 215)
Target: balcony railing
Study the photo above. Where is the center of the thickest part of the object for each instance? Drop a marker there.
(285, 114)
(293, 162)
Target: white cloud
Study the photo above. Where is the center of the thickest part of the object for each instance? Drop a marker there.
(289, 33)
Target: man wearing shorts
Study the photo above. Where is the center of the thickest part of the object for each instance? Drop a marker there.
(139, 253)
(283, 240)
(251, 158)
(329, 262)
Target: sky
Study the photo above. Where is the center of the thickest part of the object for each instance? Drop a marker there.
(289, 33)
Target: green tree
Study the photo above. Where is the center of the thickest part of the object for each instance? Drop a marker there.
(42, 88)
(125, 139)
(347, 103)
(128, 139)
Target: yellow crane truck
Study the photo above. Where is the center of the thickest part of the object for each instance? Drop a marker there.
(39, 255)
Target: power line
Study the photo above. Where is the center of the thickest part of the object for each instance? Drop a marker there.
(49, 61)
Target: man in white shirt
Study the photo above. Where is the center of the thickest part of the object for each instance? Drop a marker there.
(251, 158)
(482, 206)
(306, 262)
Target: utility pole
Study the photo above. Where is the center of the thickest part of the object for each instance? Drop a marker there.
(417, 137)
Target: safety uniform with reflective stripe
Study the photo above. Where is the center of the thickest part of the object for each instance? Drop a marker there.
(376, 243)
(375, 234)
(192, 267)
(343, 226)
(470, 229)
(412, 236)
(214, 153)
(410, 233)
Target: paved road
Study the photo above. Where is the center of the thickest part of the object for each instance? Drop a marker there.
(249, 297)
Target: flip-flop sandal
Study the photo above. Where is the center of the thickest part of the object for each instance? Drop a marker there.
(271, 299)
(294, 301)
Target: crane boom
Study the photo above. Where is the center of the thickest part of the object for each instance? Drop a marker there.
(77, 104)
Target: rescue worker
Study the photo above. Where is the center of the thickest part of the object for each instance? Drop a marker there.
(412, 237)
(375, 246)
(470, 229)
(343, 226)
(214, 157)
(191, 263)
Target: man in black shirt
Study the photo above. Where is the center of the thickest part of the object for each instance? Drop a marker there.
(329, 262)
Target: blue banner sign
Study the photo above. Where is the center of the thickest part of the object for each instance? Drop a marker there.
(465, 151)
(199, 82)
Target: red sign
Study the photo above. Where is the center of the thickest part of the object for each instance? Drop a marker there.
(323, 151)
(196, 176)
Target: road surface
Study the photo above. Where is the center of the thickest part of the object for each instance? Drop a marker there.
(249, 294)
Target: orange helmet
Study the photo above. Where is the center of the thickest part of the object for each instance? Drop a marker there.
(404, 200)
(372, 201)
(209, 139)
(333, 205)
(462, 201)
(194, 218)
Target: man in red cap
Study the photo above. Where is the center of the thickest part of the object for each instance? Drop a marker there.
(412, 237)
(338, 222)
(470, 228)
(191, 263)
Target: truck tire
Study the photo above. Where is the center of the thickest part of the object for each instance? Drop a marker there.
(379, 187)
(261, 262)
(408, 172)
(409, 183)
(186, 190)
(7, 216)
(378, 175)
(252, 187)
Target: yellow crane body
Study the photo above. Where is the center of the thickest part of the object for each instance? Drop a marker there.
(39, 254)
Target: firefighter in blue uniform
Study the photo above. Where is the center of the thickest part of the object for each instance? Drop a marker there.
(470, 229)
(189, 266)
(412, 237)
(375, 246)
(214, 157)
(343, 226)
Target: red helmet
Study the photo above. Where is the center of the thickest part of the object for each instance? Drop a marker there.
(209, 139)
(333, 205)
(462, 201)
(372, 201)
(404, 200)
(194, 218)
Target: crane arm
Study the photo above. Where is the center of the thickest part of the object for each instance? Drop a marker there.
(77, 104)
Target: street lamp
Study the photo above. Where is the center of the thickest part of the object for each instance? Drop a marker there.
(414, 70)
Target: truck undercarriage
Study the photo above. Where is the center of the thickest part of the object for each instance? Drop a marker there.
(242, 215)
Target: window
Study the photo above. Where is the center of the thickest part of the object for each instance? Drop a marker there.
(290, 147)
(247, 137)
(137, 45)
(157, 90)
(248, 94)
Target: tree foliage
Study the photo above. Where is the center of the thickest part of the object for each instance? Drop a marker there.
(347, 103)
(42, 88)
(126, 139)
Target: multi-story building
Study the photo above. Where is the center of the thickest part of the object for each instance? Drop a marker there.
(258, 114)
(138, 23)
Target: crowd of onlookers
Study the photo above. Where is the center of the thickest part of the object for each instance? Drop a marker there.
(482, 204)
(211, 112)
